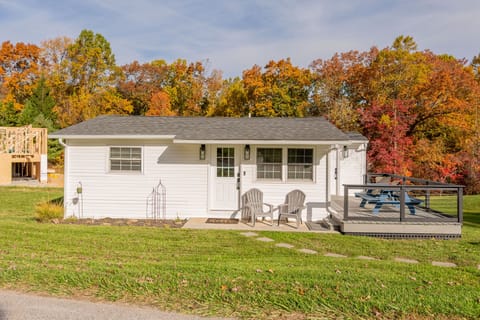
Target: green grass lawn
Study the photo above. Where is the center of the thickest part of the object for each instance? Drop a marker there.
(223, 273)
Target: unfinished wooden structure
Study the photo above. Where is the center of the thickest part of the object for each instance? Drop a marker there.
(23, 154)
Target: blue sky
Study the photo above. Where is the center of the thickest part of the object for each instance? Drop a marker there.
(235, 35)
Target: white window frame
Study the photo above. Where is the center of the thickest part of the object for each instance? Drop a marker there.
(284, 170)
(230, 167)
(282, 174)
(300, 164)
(114, 171)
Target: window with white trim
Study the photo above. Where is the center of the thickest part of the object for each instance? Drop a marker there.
(126, 159)
(225, 162)
(300, 164)
(269, 163)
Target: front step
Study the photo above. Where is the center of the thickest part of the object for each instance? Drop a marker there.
(329, 224)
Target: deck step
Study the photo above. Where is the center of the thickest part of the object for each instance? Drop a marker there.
(329, 224)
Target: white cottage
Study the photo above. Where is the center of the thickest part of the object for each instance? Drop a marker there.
(112, 164)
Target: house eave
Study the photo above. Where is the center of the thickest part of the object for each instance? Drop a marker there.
(201, 141)
(112, 136)
(259, 142)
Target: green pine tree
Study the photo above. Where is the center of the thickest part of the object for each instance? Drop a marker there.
(8, 115)
(38, 110)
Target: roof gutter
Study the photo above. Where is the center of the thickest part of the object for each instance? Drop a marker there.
(281, 142)
(198, 141)
(63, 144)
(112, 136)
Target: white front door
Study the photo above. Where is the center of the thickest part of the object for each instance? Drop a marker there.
(224, 162)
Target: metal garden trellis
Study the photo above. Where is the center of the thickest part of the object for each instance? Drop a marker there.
(156, 203)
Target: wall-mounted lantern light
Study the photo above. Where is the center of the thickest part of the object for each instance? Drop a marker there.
(246, 152)
(79, 188)
(345, 152)
(202, 152)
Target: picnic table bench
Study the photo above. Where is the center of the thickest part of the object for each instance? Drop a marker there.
(386, 197)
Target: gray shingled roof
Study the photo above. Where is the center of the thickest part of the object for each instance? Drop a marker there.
(207, 128)
(356, 136)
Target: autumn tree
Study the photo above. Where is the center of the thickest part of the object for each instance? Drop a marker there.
(337, 87)
(184, 84)
(91, 63)
(353, 89)
(280, 90)
(90, 75)
(160, 105)
(390, 145)
(54, 53)
(232, 100)
(19, 71)
(213, 86)
(141, 82)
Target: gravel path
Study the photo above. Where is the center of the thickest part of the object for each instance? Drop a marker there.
(20, 306)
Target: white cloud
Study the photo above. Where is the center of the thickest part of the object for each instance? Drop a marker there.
(235, 35)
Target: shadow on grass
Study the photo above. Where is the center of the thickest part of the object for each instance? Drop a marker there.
(56, 201)
(471, 219)
(48, 211)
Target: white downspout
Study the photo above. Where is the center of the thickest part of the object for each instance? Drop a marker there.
(365, 161)
(60, 140)
(328, 177)
(339, 174)
(331, 174)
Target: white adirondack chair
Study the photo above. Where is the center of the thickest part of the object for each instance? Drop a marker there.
(293, 207)
(255, 205)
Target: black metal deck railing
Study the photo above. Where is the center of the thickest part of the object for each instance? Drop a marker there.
(419, 188)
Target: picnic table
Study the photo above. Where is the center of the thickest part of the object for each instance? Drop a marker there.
(386, 197)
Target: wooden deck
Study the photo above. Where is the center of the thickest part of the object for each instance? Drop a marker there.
(388, 222)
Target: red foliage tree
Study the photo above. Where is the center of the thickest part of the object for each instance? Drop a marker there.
(387, 128)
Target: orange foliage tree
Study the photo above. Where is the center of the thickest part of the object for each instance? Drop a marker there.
(19, 71)
(281, 90)
(160, 105)
(140, 82)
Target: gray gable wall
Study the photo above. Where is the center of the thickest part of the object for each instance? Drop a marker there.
(208, 128)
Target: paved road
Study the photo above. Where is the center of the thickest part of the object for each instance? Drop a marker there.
(19, 306)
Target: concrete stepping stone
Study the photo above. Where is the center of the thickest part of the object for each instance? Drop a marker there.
(265, 239)
(249, 234)
(334, 255)
(308, 251)
(366, 258)
(444, 264)
(284, 245)
(405, 260)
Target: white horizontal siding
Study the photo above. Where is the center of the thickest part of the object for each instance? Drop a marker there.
(274, 192)
(186, 179)
(353, 167)
(116, 195)
(184, 176)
